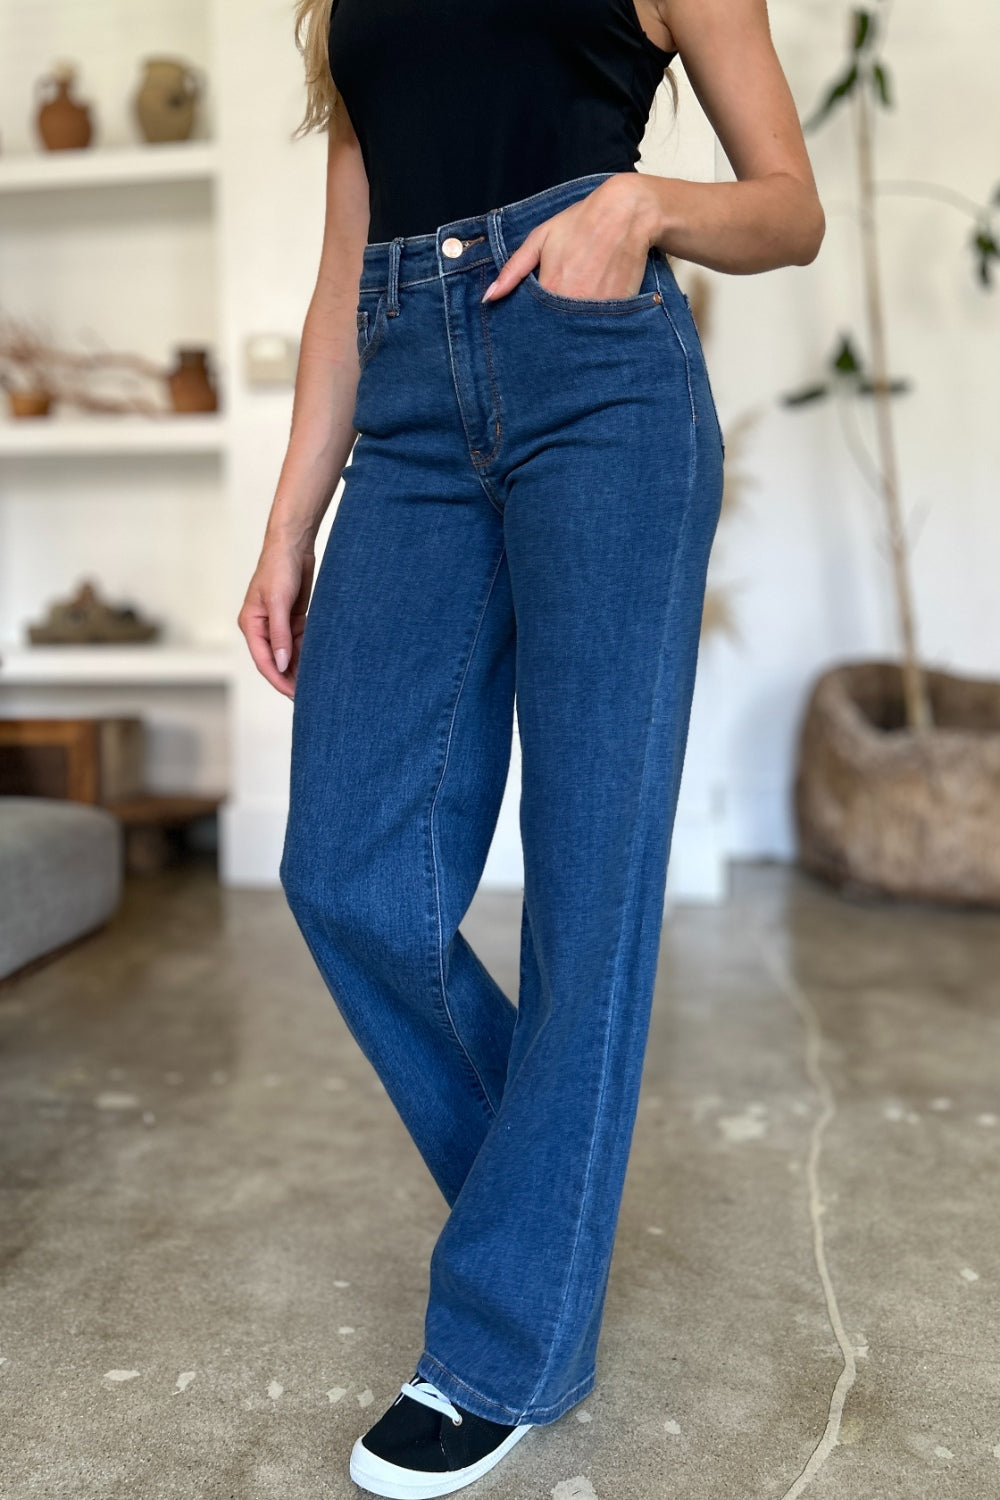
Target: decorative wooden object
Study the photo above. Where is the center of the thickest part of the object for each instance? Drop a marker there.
(87, 619)
(83, 760)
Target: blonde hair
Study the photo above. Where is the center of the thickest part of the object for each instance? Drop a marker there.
(672, 85)
(313, 17)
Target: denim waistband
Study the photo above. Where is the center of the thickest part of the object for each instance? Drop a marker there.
(410, 259)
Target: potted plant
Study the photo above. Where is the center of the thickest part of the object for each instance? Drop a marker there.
(897, 781)
(26, 374)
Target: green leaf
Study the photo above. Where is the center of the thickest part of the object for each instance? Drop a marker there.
(846, 361)
(986, 252)
(881, 81)
(838, 91)
(808, 393)
(862, 26)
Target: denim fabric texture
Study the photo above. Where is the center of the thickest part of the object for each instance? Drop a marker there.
(525, 523)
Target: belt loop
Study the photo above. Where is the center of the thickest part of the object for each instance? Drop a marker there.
(395, 248)
(495, 233)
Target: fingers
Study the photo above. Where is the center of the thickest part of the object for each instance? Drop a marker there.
(269, 636)
(524, 259)
(281, 644)
(273, 614)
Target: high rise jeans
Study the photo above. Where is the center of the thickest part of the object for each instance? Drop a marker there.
(524, 526)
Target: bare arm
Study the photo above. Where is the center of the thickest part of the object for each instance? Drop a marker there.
(272, 617)
(327, 377)
(771, 216)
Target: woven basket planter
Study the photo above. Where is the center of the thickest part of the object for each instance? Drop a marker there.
(891, 811)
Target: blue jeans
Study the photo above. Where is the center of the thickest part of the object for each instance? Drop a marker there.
(526, 520)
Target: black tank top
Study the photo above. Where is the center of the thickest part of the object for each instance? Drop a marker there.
(461, 106)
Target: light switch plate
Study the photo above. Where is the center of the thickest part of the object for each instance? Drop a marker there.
(270, 359)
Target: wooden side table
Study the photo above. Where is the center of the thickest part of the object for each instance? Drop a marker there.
(154, 824)
(101, 760)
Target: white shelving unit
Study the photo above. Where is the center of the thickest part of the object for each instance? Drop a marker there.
(139, 664)
(105, 436)
(120, 241)
(179, 666)
(110, 166)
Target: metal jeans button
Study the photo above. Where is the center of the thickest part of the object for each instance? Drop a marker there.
(451, 247)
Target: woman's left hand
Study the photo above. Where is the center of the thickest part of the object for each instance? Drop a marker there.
(596, 248)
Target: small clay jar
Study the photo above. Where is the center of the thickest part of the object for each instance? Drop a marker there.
(190, 382)
(63, 123)
(166, 99)
(34, 403)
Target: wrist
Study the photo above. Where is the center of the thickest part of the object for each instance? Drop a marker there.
(640, 204)
(288, 532)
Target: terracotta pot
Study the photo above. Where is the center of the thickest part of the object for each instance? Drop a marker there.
(63, 123)
(29, 403)
(896, 811)
(166, 99)
(190, 382)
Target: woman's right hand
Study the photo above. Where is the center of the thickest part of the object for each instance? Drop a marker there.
(273, 614)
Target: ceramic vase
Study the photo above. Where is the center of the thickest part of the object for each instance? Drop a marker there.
(62, 122)
(166, 99)
(190, 382)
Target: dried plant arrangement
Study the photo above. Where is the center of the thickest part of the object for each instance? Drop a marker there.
(31, 365)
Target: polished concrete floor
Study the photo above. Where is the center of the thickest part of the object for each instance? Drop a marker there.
(214, 1231)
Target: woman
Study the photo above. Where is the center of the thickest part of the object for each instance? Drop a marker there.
(526, 520)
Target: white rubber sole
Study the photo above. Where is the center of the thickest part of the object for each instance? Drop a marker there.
(380, 1477)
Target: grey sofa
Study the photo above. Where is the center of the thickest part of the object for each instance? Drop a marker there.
(61, 869)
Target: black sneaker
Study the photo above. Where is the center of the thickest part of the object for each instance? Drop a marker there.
(425, 1446)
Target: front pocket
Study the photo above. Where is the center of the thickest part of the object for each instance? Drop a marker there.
(647, 296)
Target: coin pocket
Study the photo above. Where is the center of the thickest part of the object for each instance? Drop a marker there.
(370, 325)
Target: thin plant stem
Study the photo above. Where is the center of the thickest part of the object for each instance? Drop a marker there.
(915, 697)
(937, 191)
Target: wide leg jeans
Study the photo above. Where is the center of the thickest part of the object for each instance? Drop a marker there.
(525, 523)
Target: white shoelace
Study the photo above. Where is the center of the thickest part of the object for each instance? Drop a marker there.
(428, 1395)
